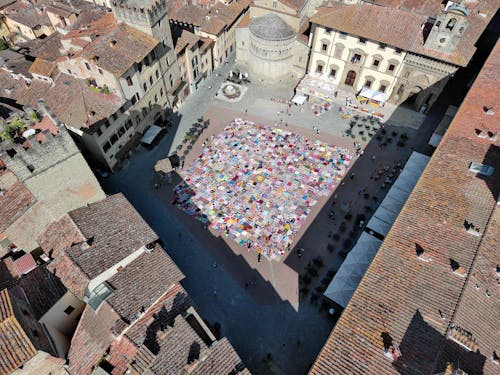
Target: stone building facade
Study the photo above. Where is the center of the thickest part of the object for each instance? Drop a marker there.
(404, 56)
(270, 41)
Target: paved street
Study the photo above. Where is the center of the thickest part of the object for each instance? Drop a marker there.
(277, 305)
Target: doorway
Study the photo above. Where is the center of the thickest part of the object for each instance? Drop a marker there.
(351, 77)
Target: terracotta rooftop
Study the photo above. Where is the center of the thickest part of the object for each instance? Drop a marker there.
(47, 49)
(26, 13)
(42, 289)
(224, 16)
(118, 50)
(116, 229)
(190, 14)
(399, 28)
(294, 4)
(132, 293)
(15, 346)
(91, 339)
(15, 199)
(163, 312)
(43, 67)
(414, 302)
(72, 100)
(179, 349)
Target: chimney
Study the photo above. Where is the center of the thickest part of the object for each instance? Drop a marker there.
(112, 43)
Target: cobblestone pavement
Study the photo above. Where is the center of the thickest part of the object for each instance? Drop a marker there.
(264, 308)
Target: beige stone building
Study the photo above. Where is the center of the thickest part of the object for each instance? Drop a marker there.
(194, 56)
(27, 20)
(271, 41)
(402, 56)
(218, 23)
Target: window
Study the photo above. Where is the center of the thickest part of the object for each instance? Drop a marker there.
(342, 35)
(362, 40)
(99, 294)
(106, 146)
(114, 116)
(382, 88)
(324, 47)
(113, 139)
(376, 62)
(145, 86)
(333, 71)
(398, 51)
(121, 131)
(133, 100)
(319, 68)
(106, 123)
(99, 132)
(161, 91)
(151, 80)
(157, 74)
(69, 310)
(171, 80)
(339, 48)
(328, 30)
(150, 105)
(156, 98)
(368, 83)
(356, 58)
(129, 81)
(100, 71)
(382, 46)
(128, 124)
(482, 169)
(69, 71)
(87, 66)
(391, 67)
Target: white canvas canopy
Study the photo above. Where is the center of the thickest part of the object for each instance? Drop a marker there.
(299, 99)
(351, 272)
(382, 220)
(151, 134)
(375, 95)
(366, 93)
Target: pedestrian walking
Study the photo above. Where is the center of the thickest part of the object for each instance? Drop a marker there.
(352, 176)
(374, 157)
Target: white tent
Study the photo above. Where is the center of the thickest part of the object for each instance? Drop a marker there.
(299, 99)
(151, 134)
(366, 93)
(353, 268)
(382, 220)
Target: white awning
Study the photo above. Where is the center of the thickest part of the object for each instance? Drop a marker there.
(352, 270)
(299, 99)
(375, 95)
(151, 134)
(366, 93)
(382, 220)
(379, 96)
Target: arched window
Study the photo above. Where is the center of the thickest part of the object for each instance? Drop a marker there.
(451, 24)
(377, 60)
(320, 67)
(324, 45)
(369, 81)
(383, 86)
(339, 50)
(392, 65)
(333, 71)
